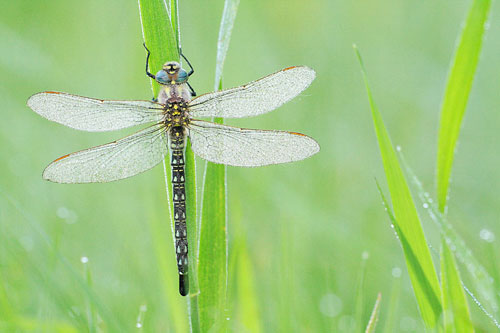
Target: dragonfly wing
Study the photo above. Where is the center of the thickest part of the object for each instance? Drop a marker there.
(116, 160)
(93, 115)
(247, 147)
(254, 98)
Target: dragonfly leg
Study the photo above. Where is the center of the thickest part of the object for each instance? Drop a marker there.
(147, 63)
(193, 93)
(191, 67)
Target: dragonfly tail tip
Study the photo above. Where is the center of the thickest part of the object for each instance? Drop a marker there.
(183, 285)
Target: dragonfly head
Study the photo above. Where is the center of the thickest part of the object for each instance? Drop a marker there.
(171, 73)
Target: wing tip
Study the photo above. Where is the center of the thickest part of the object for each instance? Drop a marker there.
(47, 173)
(307, 74)
(300, 67)
(314, 144)
(34, 97)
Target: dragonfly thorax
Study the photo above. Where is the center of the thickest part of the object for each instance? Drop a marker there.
(176, 113)
(174, 91)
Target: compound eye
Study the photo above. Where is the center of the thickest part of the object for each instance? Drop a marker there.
(182, 76)
(162, 77)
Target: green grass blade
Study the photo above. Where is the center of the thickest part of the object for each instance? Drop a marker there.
(91, 312)
(226, 27)
(457, 93)
(411, 235)
(247, 315)
(212, 267)
(372, 323)
(161, 35)
(392, 313)
(45, 277)
(455, 309)
(360, 291)
(174, 18)
(482, 280)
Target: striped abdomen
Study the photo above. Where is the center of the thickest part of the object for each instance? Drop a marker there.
(179, 197)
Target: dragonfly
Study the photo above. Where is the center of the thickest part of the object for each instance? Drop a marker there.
(172, 118)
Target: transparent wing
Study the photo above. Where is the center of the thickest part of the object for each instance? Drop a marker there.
(247, 147)
(116, 160)
(254, 98)
(93, 115)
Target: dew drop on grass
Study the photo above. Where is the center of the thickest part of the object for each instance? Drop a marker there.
(140, 318)
(426, 205)
(330, 305)
(487, 235)
(84, 260)
(398, 148)
(67, 215)
(62, 212)
(396, 272)
(365, 255)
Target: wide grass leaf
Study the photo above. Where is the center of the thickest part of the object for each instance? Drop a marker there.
(212, 268)
(407, 223)
(457, 93)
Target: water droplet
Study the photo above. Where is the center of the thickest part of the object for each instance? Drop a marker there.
(330, 305)
(487, 235)
(398, 148)
(396, 272)
(84, 260)
(138, 325)
(143, 308)
(67, 215)
(365, 255)
(62, 212)
(426, 205)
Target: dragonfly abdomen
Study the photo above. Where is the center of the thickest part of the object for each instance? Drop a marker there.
(177, 139)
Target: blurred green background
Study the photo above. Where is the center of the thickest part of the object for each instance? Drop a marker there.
(307, 225)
